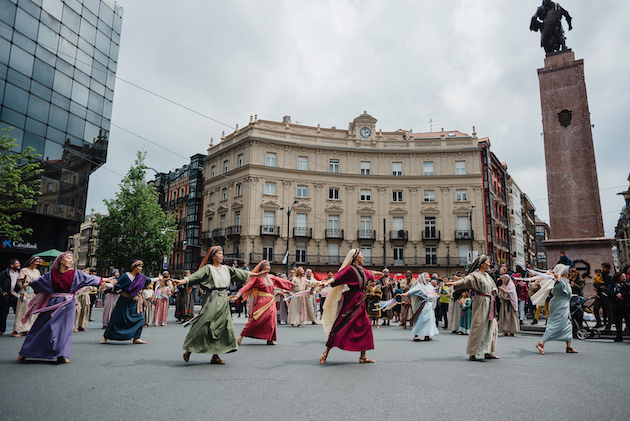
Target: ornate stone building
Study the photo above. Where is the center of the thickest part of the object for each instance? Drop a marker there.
(622, 231)
(408, 200)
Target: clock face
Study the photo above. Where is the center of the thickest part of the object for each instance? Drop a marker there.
(365, 132)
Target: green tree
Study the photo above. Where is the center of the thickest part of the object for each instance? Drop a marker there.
(136, 227)
(19, 186)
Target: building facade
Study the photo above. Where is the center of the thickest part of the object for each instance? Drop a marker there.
(529, 229)
(542, 234)
(407, 200)
(517, 226)
(622, 231)
(57, 74)
(83, 244)
(180, 193)
(496, 211)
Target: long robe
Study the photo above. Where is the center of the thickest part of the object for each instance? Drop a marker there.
(454, 314)
(262, 323)
(424, 325)
(297, 305)
(352, 330)
(309, 301)
(162, 297)
(465, 316)
(483, 330)
(147, 305)
(126, 321)
(559, 321)
(83, 307)
(109, 303)
(212, 331)
(508, 315)
(51, 334)
(24, 297)
(388, 293)
(281, 306)
(184, 305)
(373, 296)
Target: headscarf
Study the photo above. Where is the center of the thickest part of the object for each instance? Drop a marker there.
(476, 264)
(139, 281)
(55, 265)
(256, 270)
(213, 250)
(510, 288)
(32, 260)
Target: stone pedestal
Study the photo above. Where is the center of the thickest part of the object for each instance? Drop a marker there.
(575, 217)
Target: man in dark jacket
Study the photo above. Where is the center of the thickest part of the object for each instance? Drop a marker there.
(8, 279)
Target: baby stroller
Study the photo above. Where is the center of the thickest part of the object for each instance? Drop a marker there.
(580, 312)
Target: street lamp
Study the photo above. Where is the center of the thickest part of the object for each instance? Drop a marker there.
(288, 210)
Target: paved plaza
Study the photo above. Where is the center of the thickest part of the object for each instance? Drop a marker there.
(411, 380)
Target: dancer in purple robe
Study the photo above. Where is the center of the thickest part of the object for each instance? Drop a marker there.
(51, 334)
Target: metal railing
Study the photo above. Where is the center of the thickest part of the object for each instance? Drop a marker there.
(334, 234)
(366, 235)
(402, 235)
(302, 232)
(431, 235)
(270, 230)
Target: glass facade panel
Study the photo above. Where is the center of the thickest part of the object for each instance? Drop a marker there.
(15, 98)
(21, 61)
(46, 99)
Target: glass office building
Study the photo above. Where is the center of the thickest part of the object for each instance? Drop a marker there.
(58, 63)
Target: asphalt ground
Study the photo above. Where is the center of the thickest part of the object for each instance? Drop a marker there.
(411, 380)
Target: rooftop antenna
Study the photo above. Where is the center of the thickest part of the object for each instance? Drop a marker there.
(431, 122)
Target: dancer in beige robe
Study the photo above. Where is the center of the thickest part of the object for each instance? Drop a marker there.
(297, 305)
(508, 311)
(83, 309)
(483, 329)
(28, 274)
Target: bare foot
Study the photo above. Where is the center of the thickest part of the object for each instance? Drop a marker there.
(139, 341)
(571, 350)
(104, 341)
(238, 340)
(366, 360)
(272, 343)
(540, 348)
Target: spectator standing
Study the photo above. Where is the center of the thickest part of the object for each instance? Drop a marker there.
(619, 293)
(93, 294)
(603, 301)
(444, 301)
(523, 296)
(373, 295)
(8, 280)
(508, 321)
(110, 298)
(465, 303)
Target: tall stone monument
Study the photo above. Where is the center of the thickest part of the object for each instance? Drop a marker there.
(575, 215)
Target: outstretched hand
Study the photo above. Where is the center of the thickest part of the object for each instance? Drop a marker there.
(179, 282)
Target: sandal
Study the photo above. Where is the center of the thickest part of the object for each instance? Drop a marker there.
(491, 357)
(62, 360)
(21, 359)
(104, 341)
(572, 351)
(366, 360)
(416, 338)
(187, 356)
(272, 343)
(473, 358)
(322, 359)
(139, 341)
(540, 348)
(216, 360)
(238, 340)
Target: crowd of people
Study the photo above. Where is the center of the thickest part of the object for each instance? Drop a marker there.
(480, 303)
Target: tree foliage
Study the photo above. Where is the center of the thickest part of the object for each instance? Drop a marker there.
(19, 186)
(136, 227)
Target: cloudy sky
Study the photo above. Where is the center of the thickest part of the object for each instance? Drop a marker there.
(189, 70)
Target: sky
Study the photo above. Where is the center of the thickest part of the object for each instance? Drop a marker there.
(189, 70)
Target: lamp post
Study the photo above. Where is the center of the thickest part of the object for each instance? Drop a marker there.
(288, 210)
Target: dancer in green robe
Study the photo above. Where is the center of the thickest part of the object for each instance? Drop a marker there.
(211, 331)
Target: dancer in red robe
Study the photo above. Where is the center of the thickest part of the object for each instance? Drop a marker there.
(262, 323)
(351, 330)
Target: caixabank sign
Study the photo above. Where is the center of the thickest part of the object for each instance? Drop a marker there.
(16, 245)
